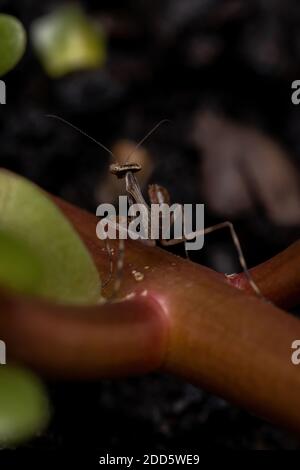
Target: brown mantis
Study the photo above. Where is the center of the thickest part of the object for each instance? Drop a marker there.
(157, 195)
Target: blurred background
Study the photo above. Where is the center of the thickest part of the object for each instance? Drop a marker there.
(221, 71)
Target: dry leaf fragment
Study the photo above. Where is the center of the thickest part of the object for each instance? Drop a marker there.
(241, 166)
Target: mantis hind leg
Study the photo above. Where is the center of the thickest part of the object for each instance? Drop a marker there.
(111, 263)
(236, 243)
(159, 194)
(117, 271)
(238, 248)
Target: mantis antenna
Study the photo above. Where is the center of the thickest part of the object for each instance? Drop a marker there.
(58, 118)
(147, 137)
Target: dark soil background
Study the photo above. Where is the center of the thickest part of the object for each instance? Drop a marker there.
(166, 59)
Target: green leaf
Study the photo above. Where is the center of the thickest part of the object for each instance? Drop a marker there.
(24, 407)
(67, 40)
(12, 42)
(20, 269)
(68, 273)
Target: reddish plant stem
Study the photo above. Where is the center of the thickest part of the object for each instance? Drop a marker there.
(221, 338)
(84, 342)
(278, 278)
(191, 322)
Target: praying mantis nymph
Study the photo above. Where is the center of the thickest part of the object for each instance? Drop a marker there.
(157, 195)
